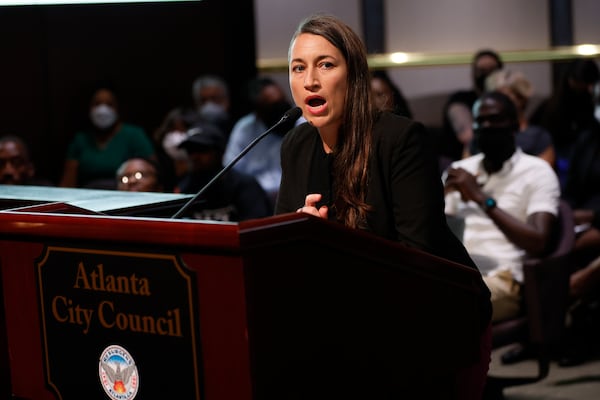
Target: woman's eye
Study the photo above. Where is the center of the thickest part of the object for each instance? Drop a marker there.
(297, 68)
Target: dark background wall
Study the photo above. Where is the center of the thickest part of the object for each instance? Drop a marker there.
(51, 57)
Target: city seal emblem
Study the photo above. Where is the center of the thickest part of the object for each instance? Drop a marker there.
(118, 373)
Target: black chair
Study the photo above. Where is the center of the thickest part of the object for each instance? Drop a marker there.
(545, 296)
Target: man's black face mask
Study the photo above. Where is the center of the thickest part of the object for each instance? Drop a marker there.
(496, 142)
(272, 113)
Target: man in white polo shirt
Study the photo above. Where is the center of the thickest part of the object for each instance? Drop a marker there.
(508, 200)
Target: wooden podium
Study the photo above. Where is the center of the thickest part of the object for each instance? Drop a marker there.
(283, 307)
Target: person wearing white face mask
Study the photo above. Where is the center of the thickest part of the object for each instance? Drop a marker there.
(94, 154)
(212, 102)
(103, 116)
(173, 130)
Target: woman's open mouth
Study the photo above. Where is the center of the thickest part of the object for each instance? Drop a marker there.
(316, 104)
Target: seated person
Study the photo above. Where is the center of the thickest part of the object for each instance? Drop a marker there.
(508, 199)
(582, 187)
(139, 175)
(16, 167)
(387, 95)
(235, 196)
(457, 116)
(581, 340)
(268, 103)
(569, 111)
(582, 192)
(212, 102)
(532, 139)
(171, 132)
(95, 154)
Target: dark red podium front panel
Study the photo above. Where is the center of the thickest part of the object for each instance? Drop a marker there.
(144, 303)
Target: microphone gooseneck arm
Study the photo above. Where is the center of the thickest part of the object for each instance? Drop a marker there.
(291, 115)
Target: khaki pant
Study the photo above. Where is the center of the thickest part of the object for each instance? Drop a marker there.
(506, 295)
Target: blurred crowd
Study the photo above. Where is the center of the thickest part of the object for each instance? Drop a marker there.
(490, 123)
(193, 143)
(100, 156)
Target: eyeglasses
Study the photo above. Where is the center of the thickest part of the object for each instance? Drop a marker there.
(138, 175)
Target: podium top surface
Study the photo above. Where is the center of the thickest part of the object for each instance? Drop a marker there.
(110, 202)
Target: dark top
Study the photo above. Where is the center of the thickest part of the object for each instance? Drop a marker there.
(533, 140)
(449, 145)
(98, 164)
(236, 196)
(405, 190)
(582, 187)
(566, 115)
(320, 178)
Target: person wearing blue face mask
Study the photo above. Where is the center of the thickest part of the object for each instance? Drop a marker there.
(508, 200)
(95, 154)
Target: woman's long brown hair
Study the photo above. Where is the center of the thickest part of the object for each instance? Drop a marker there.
(351, 156)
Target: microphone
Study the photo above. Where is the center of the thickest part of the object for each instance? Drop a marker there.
(289, 117)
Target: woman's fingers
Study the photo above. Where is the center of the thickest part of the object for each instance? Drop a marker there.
(311, 200)
(310, 206)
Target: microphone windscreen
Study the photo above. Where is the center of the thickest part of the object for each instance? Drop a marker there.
(293, 114)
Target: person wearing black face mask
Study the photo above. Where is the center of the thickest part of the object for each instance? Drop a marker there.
(270, 113)
(569, 112)
(457, 132)
(269, 103)
(508, 200)
(495, 139)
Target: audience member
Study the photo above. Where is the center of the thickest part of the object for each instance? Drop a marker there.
(213, 102)
(95, 153)
(167, 137)
(269, 103)
(139, 175)
(582, 185)
(532, 139)
(582, 192)
(457, 127)
(387, 95)
(569, 110)
(581, 341)
(235, 196)
(16, 167)
(508, 199)
(365, 169)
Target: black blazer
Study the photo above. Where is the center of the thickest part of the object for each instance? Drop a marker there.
(405, 188)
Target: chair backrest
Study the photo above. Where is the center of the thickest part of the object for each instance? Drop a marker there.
(547, 282)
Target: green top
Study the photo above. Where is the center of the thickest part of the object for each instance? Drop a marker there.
(101, 163)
